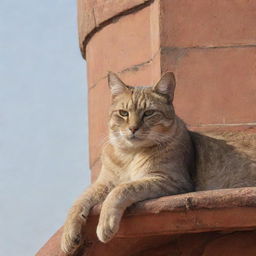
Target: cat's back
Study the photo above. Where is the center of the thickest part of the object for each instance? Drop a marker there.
(224, 160)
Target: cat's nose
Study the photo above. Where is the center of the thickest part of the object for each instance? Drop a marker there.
(133, 129)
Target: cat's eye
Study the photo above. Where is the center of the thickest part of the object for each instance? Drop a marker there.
(123, 113)
(149, 112)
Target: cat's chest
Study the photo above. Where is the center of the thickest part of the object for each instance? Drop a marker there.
(134, 169)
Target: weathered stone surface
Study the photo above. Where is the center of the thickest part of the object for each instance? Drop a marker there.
(160, 223)
(118, 47)
(235, 244)
(224, 128)
(207, 23)
(214, 85)
(94, 15)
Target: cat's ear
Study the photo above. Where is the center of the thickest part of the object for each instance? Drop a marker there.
(166, 85)
(116, 85)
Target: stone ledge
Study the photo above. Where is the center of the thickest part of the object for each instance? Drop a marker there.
(163, 219)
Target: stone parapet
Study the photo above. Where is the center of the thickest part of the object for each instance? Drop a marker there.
(207, 223)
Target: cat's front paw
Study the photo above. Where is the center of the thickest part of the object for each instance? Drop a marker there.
(108, 226)
(71, 237)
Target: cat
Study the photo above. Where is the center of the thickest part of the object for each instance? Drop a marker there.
(151, 153)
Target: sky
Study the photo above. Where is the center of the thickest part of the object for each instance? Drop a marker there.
(43, 121)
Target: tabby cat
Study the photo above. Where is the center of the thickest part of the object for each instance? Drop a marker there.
(151, 153)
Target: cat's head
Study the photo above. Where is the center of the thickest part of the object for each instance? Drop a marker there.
(141, 116)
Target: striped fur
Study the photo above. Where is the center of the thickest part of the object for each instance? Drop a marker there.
(150, 153)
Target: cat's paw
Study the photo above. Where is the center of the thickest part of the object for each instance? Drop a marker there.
(71, 237)
(108, 226)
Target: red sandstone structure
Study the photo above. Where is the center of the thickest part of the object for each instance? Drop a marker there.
(210, 45)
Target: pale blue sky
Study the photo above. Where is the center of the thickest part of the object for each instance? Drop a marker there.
(43, 121)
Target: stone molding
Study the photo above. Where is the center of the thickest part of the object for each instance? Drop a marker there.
(167, 218)
(94, 15)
